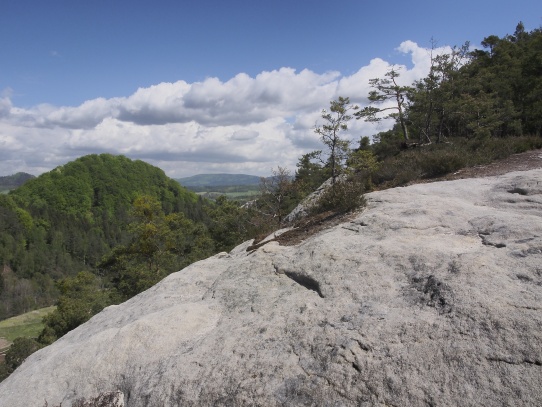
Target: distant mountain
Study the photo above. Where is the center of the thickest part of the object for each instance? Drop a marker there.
(218, 180)
(14, 181)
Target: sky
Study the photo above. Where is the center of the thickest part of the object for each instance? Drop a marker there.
(222, 86)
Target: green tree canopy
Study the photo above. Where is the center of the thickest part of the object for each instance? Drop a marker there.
(387, 89)
(336, 123)
(66, 220)
(81, 297)
(160, 244)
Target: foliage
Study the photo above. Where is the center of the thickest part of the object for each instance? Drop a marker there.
(430, 97)
(345, 166)
(66, 220)
(386, 89)
(363, 163)
(480, 94)
(4, 371)
(440, 159)
(160, 245)
(229, 223)
(18, 352)
(277, 192)
(94, 184)
(336, 121)
(343, 196)
(81, 297)
(310, 173)
(476, 106)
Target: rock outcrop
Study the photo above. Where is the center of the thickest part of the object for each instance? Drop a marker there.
(431, 296)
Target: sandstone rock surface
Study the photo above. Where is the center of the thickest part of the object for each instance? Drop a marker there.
(431, 296)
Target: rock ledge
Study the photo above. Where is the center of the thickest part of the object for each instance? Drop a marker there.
(432, 296)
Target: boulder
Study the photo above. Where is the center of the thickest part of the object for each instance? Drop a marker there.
(430, 296)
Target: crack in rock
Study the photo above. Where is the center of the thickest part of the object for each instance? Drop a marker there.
(306, 281)
(486, 242)
(509, 361)
(518, 190)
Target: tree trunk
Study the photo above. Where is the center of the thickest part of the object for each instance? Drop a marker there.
(401, 118)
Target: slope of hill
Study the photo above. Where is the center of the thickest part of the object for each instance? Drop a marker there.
(429, 296)
(218, 180)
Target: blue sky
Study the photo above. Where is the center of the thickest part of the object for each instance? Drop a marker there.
(208, 86)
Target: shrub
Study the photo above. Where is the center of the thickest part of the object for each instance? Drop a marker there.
(17, 354)
(440, 159)
(483, 151)
(4, 371)
(442, 162)
(395, 171)
(343, 196)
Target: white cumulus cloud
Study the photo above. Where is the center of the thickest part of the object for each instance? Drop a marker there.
(245, 124)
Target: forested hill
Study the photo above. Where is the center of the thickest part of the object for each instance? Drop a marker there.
(65, 221)
(96, 185)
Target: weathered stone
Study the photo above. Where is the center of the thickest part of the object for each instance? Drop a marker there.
(431, 296)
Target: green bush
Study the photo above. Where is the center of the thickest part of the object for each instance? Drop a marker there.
(395, 171)
(342, 197)
(484, 151)
(17, 354)
(4, 371)
(441, 162)
(436, 160)
(19, 351)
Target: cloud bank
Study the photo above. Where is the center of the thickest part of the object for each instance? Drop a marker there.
(243, 125)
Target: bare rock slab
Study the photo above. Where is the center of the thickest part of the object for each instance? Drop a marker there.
(431, 296)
